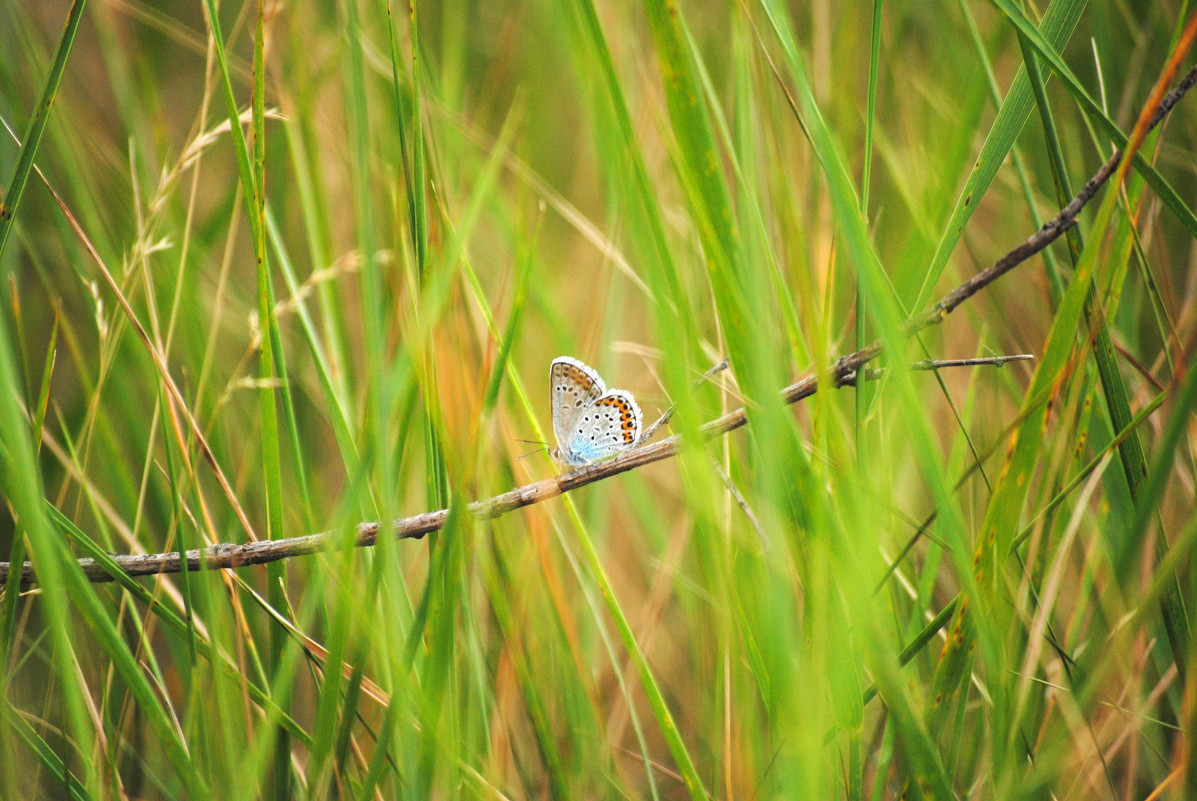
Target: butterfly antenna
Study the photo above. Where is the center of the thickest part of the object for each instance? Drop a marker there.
(543, 447)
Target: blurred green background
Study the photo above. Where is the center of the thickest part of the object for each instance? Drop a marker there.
(432, 202)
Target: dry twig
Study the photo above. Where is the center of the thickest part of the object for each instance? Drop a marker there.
(844, 370)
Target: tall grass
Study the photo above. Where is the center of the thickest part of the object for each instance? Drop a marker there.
(313, 261)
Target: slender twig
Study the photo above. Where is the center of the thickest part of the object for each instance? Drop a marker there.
(995, 361)
(718, 467)
(753, 520)
(668, 413)
(226, 555)
(1051, 230)
(874, 373)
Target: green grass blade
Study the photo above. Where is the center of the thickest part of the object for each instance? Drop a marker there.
(37, 126)
(45, 754)
(665, 719)
(1059, 21)
(1049, 53)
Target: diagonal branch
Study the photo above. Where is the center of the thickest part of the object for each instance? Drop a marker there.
(843, 371)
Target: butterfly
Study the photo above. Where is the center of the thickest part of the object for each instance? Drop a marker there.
(590, 421)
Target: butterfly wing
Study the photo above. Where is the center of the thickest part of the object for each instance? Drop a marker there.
(573, 387)
(609, 425)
